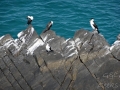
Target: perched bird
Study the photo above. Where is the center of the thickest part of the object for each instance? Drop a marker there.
(48, 48)
(49, 25)
(30, 19)
(93, 25)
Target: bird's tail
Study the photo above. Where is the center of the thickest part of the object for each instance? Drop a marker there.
(51, 50)
(45, 30)
(98, 31)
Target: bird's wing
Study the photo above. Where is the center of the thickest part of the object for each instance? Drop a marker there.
(49, 25)
(95, 26)
(50, 49)
(45, 30)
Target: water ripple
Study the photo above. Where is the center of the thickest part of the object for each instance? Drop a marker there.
(68, 16)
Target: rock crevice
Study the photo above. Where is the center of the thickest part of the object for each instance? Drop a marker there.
(84, 62)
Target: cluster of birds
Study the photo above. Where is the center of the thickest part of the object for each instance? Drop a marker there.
(49, 25)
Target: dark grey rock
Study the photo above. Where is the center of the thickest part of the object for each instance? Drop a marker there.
(4, 83)
(115, 48)
(89, 44)
(9, 76)
(53, 40)
(16, 74)
(69, 48)
(84, 62)
(4, 39)
(28, 36)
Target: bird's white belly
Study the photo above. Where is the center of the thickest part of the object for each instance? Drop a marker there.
(92, 26)
(47, 47)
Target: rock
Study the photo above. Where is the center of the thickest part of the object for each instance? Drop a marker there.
(118, 37)
(115, 48)
(85, 62)
(90, 45)
(53, 40)
(69, 48)
(4, 39)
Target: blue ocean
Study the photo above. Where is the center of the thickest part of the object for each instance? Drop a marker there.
(68, 16)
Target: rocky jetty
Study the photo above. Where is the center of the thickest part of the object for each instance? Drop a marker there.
(84, 62)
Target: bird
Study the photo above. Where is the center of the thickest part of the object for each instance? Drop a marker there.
(30, 19)
(49, 25)
(93, 25)
(48, 48)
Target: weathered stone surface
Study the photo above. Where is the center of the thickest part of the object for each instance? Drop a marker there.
(84, 62)
(4, 39)
(115, 48)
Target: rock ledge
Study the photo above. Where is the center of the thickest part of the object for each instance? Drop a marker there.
(84, 62)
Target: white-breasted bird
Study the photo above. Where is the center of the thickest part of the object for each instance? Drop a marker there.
(49, 25)
(48, 48)
(93, 25)
(30, 19)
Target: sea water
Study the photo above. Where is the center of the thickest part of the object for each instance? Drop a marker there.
(68, 16)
